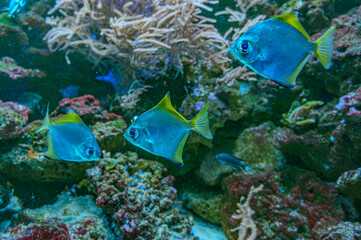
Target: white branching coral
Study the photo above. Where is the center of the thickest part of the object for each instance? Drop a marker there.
(247, 229)
(129, 100)
(231, 75)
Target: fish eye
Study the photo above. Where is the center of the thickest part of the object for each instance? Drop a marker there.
(133, 133)
(90, 152)
(245, 46)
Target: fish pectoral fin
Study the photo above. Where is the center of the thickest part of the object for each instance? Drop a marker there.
(291, 19)
(177, 157)
(71, 117)
(290, 81)
(324, 47)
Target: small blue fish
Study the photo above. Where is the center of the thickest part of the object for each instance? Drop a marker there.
(70, 91)
(15, 6)
(70, 139)
(111, 78)
(278, 48)
(163, 131)
(232, 161)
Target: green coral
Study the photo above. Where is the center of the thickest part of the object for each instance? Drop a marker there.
(302, 115)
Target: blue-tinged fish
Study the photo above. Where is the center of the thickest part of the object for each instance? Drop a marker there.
(278, 48)
(232, 161)
(70, 91)
(163, 131)
(70, 139)
(15, 6)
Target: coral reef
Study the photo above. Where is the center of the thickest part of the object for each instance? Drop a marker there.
(349, 183)
(289, 206)
(147, 35)
(138, 197)
(27, 160)
(69, 218)
(303, 115)
(329, 146)
(9, 68)
(247, 228)
(344, 230)
(202, 201)
(13, 118)
(255, 146)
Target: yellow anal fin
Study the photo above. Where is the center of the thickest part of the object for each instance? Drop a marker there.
(291, 19)
(71, 116)
(290, 81)
(51, 153)
(177, 157)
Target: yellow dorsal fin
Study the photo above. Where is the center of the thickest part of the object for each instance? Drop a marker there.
(47, 122)
(291, 19)
(70, 117)
(165, 103)
(177, 157)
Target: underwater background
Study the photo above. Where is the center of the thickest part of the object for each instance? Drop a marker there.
(112, 60)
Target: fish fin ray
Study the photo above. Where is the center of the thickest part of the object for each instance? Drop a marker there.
(47, 123)
(71, 116)
(50, 154)
(165, 104)
(291, 19)
(177, 157)
(200, 123)
(324, 47)
(290, 81)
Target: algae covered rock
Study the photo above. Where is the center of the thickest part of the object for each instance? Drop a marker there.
(282, 209)
(68, 218)
(110, 134)
(139, 197)
(330, 145)
(204, 203)
(211, 171)
(349, 183)
(13, 118)
(255, 146)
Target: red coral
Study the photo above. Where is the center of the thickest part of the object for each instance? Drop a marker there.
(288, 213)
(88, 107)
(52, 228)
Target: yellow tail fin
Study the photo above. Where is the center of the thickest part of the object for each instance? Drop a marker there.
(324, 47)
(47, 123)
(201, 124)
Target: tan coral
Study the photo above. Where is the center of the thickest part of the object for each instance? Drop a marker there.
(152, 35)
(247, 227)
